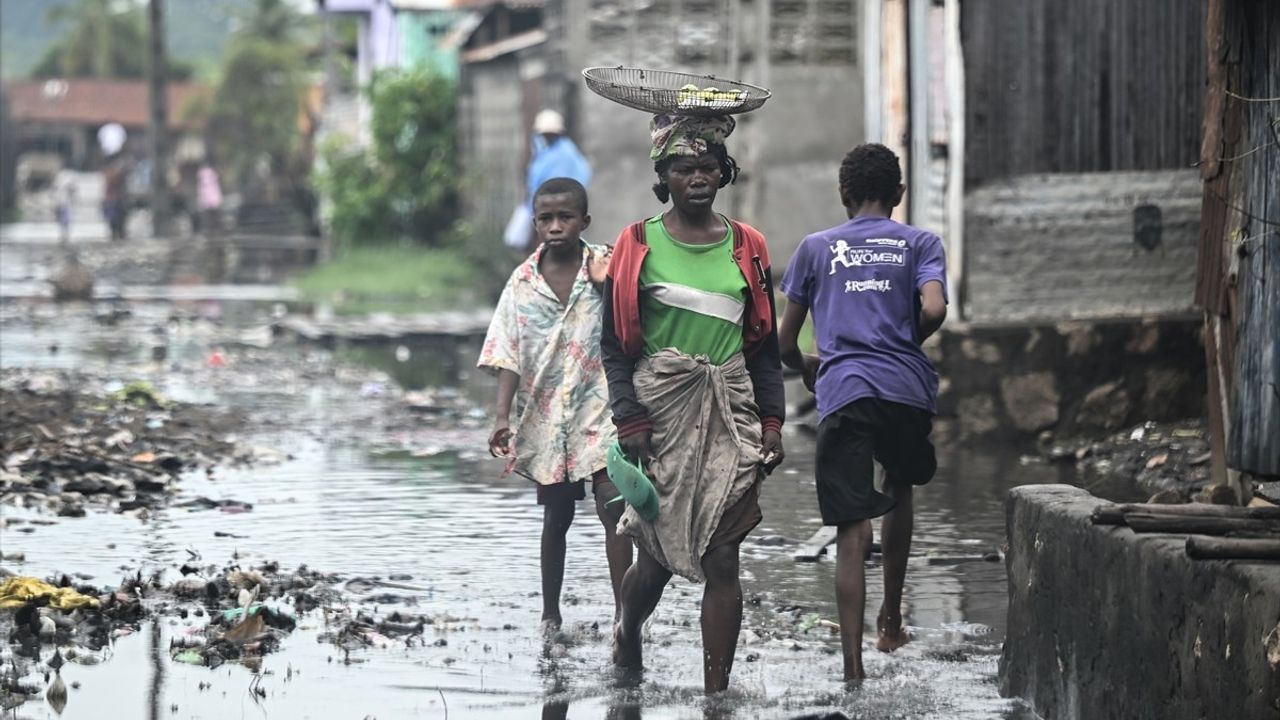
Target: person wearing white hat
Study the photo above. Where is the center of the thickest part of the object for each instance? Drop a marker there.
(554, 155)
(548, 122)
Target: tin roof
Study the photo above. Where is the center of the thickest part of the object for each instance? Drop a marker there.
(92, 101)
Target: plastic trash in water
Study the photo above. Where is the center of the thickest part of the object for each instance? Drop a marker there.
(190, 657)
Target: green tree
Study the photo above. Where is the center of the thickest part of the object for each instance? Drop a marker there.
(253, 116)
(405, 187)
(104, 39)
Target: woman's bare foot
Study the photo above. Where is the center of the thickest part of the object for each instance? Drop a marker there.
(890, 635)
(549, 627)
(626, 649)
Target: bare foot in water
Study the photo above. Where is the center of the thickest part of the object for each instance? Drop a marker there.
(890, 634)
(626, 649)
(549, 627)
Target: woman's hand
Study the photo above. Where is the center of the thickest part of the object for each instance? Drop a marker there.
(639, 447)
(598, 265)
(771, 450)
(500, 440)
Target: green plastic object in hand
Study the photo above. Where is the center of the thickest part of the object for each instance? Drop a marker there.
(633, 484)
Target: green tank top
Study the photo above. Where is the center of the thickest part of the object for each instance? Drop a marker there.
(692, 297)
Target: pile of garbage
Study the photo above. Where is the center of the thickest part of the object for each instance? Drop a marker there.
(50, 623)
(63, 447)
(241, 614)
(1170, 459)
(251, 610)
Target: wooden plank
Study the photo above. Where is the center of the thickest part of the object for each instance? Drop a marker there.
(816, 546)
(1204, 525)
(1214, 548)
(1107, 515)
(1117, 514)
(1204, 509)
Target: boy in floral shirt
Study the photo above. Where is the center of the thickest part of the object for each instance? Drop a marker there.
(544, 346)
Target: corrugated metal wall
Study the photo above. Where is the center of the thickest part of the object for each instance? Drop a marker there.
(1252, 204)
(1083, 86)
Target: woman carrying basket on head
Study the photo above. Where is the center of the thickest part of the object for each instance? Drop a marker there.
(690, 347)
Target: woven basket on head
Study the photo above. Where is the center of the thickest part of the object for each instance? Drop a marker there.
(664, 91)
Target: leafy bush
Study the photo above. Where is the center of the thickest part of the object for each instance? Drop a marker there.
(405, 186)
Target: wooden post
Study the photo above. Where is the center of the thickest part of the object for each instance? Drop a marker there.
(954, 240)
(872, 74)
(158, 82)
(895, 87)
(1118, 514)
(1214, 548)
(1202, 524)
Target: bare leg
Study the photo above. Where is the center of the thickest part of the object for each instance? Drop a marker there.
(555, 710)
(721, 615)
(557, 516)
(852, 541)
(895, 544)
(617, 548)
(641, 589)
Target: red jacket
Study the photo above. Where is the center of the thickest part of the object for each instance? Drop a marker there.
(622, 340)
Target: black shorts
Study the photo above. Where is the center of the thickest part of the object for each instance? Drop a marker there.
(849, 439)
(577, 490)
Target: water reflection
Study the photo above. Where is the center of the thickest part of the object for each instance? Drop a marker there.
(156, 695)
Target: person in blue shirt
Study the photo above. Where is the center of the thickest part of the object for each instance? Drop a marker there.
(554, 154)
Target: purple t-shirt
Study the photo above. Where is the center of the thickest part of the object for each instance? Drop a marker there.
(861, 280)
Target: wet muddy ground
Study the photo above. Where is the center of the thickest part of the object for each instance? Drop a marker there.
(389, 489)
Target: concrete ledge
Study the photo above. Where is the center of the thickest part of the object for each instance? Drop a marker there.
(1104, 623)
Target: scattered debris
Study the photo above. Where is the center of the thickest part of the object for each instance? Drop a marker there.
(63, 448)
(1168, 458)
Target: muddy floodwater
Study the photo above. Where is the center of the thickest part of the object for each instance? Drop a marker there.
(425, 506)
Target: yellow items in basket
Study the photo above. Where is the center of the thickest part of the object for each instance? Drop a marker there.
(691, 96)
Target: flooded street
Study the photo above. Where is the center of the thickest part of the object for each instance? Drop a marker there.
(363, 491)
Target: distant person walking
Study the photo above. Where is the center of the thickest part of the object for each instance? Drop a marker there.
(554, 156)
(115, 205)
(66, 198)
(209, 198)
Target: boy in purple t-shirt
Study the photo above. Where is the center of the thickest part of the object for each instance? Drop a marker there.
(877, 289)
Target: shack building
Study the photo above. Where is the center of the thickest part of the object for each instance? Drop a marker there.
(805, 51)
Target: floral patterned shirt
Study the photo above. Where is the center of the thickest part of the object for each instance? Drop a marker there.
(563, 428)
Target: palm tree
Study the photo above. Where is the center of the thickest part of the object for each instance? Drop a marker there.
(103, 38)
(106, 38)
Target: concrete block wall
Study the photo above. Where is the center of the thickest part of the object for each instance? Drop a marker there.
(1061, 246)
(1105, 624)
(789, 151)
(494, 140)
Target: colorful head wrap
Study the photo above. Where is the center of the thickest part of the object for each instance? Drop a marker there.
(687, 135)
